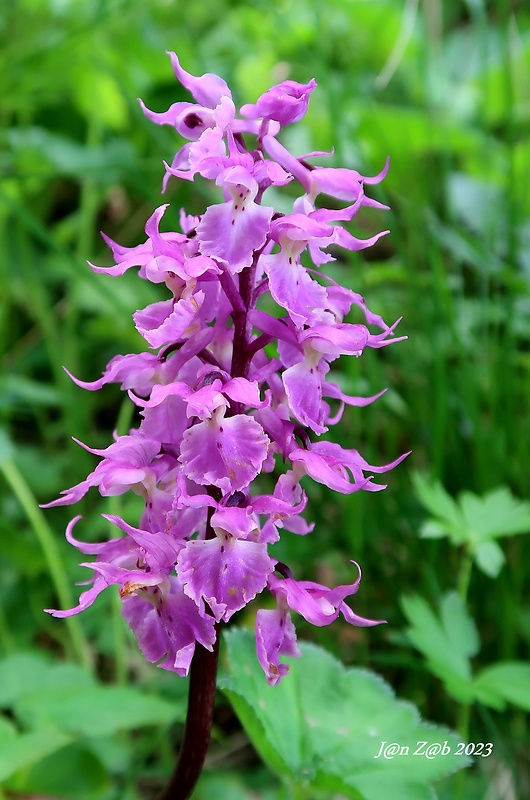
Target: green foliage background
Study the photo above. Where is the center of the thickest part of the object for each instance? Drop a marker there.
(443, 88)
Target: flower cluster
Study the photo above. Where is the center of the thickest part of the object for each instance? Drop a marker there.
(219, 406)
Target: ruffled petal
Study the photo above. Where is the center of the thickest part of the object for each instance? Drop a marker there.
(225, 572)
(226, 452)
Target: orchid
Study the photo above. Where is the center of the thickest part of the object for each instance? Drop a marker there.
(219, 406)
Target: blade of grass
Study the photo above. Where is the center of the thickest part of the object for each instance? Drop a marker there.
(46, 538)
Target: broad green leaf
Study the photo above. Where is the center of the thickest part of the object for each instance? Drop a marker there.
(328, 723)
(96, 710)
(228, 785)
(20, 752)
(71, 772)
(458, 625)
(507, 681)
(7, 730)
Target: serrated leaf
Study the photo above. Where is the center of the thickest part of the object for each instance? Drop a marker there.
(474, 521)
(489, 558)
(435, 499)
(96, 710)
(429, 636)
(507, 681)
(458, 625)
(496, 514)
(257, 733)
(328, 723)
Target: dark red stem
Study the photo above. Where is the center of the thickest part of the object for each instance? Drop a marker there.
(201, 702)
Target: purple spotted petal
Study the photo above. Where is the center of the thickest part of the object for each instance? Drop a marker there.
(232, 231)
(225, 572)
(226, 452)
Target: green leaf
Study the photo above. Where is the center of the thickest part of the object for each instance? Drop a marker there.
(433, 496)
(7, 451)
(55, 153)
(227, 785)
(16, 390)
(26, 673)
(458, 625)
(446, 652)
(496, 514)
(508, 681)
(97, 94)
(20, 752)
(474, 521)
(432, 530)
(7, 730)
(72, 772)
(489, 558)
(326, 724)
(96, 710)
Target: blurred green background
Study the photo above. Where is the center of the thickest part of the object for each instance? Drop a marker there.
(443, 88)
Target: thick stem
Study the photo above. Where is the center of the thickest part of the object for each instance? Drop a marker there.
(201, 702)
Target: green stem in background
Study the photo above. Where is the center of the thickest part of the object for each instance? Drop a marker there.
(464, 710)
(120, 641)
(464, 575)
(88, 206)
(6, 639)
(44, 534)
(88, 209)
(296, 791)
